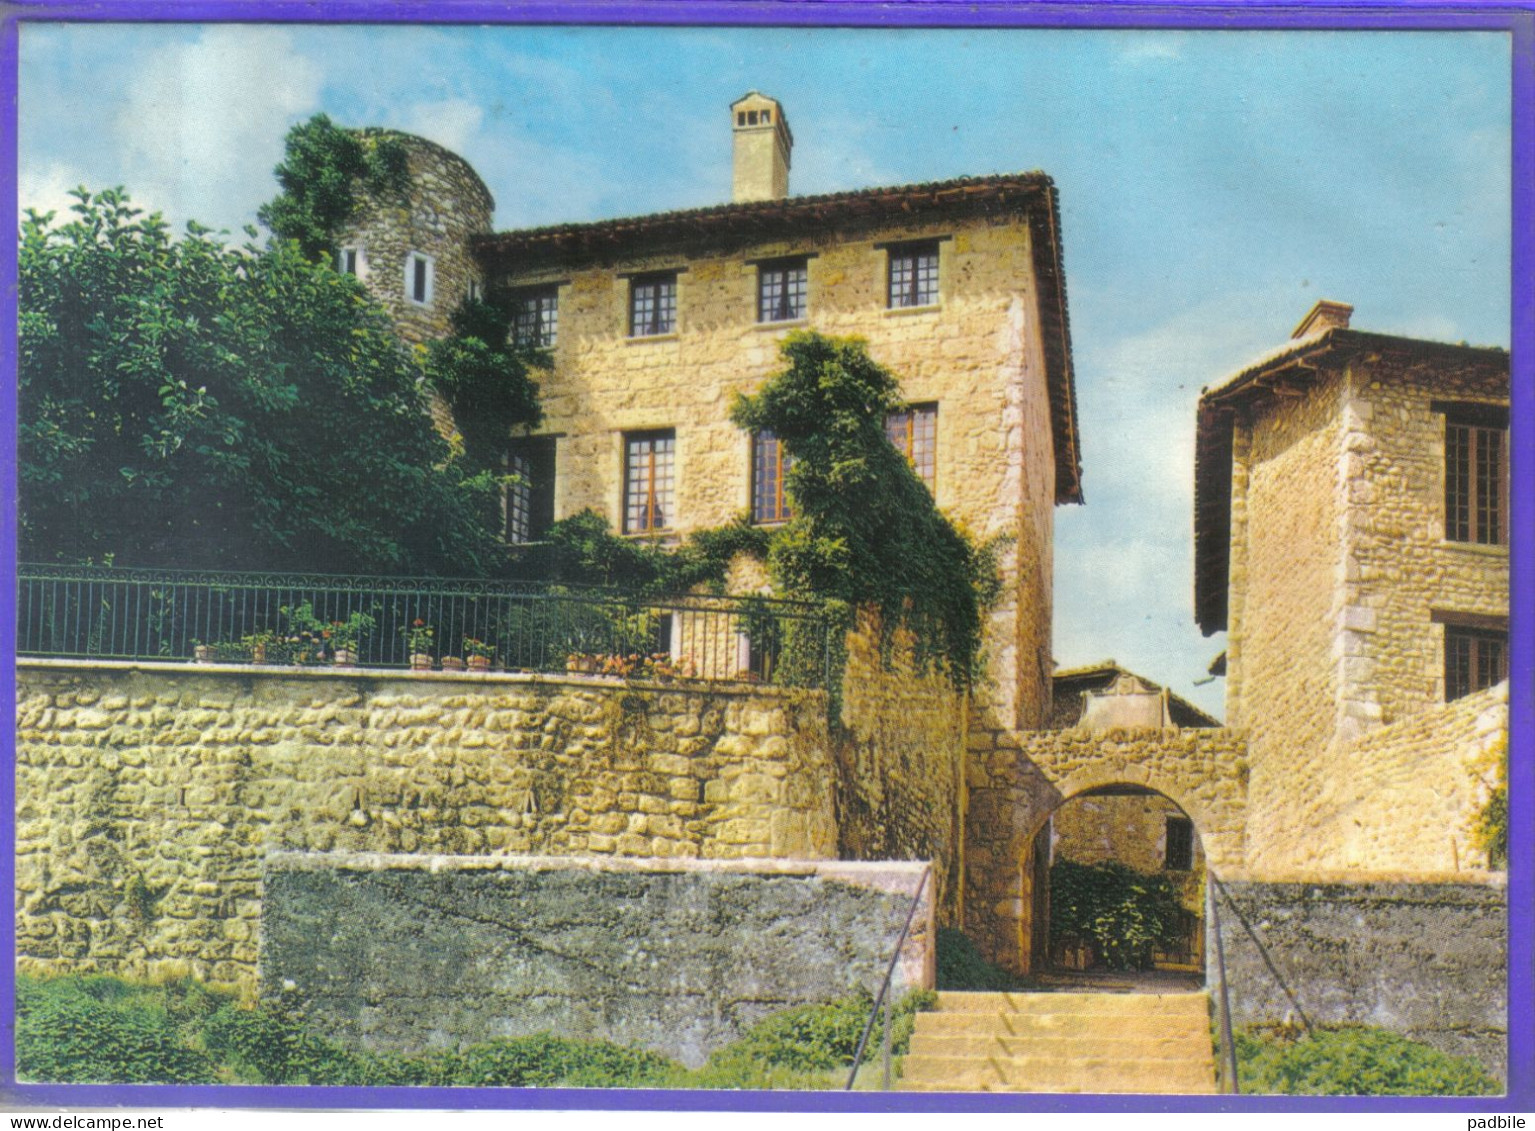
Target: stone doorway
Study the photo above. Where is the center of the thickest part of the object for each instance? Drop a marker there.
(1117, 896)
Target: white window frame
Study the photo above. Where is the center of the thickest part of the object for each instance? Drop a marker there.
(411, 260)
(362, 261)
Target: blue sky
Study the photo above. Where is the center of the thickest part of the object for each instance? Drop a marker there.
(1213, 185)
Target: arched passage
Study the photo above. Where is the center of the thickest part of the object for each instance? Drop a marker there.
(1117, 875)
(1018, 779)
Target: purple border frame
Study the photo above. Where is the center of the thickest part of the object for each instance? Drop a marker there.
(1516, 18)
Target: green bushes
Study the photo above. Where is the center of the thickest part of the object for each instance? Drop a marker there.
(1125, 914)
(104, 1030)
(97, 1030)
(961, 967)
(1354, 1061)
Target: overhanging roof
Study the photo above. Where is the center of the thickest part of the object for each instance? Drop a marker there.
(1094, 677)
(729, 226)
(1289, 370)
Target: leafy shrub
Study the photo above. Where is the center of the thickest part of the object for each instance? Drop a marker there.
(545, 1061)
(1125, 913)
(103, 1030)
(961, 967)
(106, 1030)
(804, 1047)
(1354, 1061)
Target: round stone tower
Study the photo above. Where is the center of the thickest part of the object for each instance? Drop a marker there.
(412, 249)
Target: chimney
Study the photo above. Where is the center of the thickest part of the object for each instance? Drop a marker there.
(762, 145)
(1325, 315)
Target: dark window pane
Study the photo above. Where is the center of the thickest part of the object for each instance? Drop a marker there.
(530, 498)
(914, 275)
(649, 481)
(653, 306)
(915, 435)
(770, 463)
(536, 317)
(1180, 844)
(1474, 659)
(781, 292)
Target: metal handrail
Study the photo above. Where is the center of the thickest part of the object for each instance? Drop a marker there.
(1263, 953)
(884, 987)
(1228, 1044)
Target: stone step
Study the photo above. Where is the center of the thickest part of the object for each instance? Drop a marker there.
(1054, 1025)
(1193, 1043)
(1120, 1005)
(1051, 1074)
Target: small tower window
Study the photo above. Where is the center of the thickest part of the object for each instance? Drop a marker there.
(418, 278)
(352, 261)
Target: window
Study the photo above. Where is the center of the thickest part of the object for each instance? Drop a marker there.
(529, 500)
(1180, 844)
(649, 480)
(652, 306)
(418, 278)
(1476, 474)
(536, 317)
(770, 463)
(352, 261)
(1474, 659)
(781, 291)
(915, 435)
(913, 275)
(475, 293)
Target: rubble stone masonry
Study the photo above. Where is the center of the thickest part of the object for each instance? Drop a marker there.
(1340, 577)
(976, 353)
(147, 796)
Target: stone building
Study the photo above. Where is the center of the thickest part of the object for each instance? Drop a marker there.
(1351, 538)
(656, 322)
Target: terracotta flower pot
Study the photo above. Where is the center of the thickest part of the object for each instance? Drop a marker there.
(345, 657)
(258, 653)
(452, 664)
(479, 663)
(419, 662)
(202, 654)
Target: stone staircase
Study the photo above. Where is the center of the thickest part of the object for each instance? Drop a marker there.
(1062, 1042)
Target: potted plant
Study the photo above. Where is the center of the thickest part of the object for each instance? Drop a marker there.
(258, 643)
(418, 642)
(581, 662)
(479, 653)
(202, 653)
(346, 635)
(452, 663)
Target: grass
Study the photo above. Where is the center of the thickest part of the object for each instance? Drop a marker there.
(1352, 1061)
(97, 1029)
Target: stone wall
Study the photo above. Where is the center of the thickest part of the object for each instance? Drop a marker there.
(1017, 780)
(678, 956)
(1409, 798)
(445, 205)
(1429, 961)
(1401, 570)
(900, 774)
(1340, 573)
(977, 354)
(147, 797)
(1286, 574)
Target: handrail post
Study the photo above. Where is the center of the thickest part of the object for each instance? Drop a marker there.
(889, 1025)
(895, 955)
(1228, 1044)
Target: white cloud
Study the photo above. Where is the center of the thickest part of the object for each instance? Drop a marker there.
(203, 122)
(47, 189)
(451, 123)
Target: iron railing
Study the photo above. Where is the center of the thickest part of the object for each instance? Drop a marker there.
(94, 612)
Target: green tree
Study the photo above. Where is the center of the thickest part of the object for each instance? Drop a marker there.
(319, 174)
(486, 380)
(188, 403)
(865, 529)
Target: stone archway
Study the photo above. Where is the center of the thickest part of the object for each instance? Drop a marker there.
(1088, 839)
(1018, 779)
